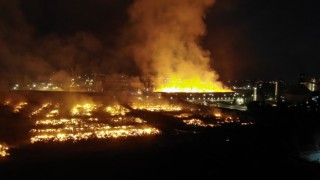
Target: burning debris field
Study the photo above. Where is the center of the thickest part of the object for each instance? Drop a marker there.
(40, 130)
(169, 88)
(84, 117)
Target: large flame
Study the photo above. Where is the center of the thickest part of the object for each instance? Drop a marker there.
(190, 85)
(167, 47)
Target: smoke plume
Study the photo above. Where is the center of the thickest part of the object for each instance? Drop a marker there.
(167, 45)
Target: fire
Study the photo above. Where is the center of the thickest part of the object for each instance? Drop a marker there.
(53, 113)
(154, 107)
(167, 49)
(194, 85)
(39, 110)
(89, 131)
(117, 110)
(83, 109)
(183, 115)
(4, 150)
(84, 125)
(19, 106)
(198, 122)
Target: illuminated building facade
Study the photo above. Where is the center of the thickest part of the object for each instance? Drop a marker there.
(313, 84)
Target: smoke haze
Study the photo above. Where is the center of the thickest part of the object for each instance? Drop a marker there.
(249, 39)
(28, 53)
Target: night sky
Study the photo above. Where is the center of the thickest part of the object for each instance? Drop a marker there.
(265, 39)
(248, 39)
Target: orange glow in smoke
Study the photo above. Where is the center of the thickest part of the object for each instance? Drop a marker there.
(168, 49)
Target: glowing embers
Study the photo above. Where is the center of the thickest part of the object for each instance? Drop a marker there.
(198, 122)
(218, 115)
(217, 120)
(156, 107)
(125, 131)
(247, 123)
(82, 125)
(16, 106)
(39, 110)
(55, 122)
(116, 110)
(183, 115)
(19, 106)
(71, 128)
(6, 102)
(83, 110)
(4, 150)
(87, 131)
(125, 119)
(60, 137)
(53, 113)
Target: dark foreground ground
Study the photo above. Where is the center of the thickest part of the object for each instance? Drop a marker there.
(242, 153)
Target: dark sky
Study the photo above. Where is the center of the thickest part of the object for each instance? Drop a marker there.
(266, 39)
(248, 39)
